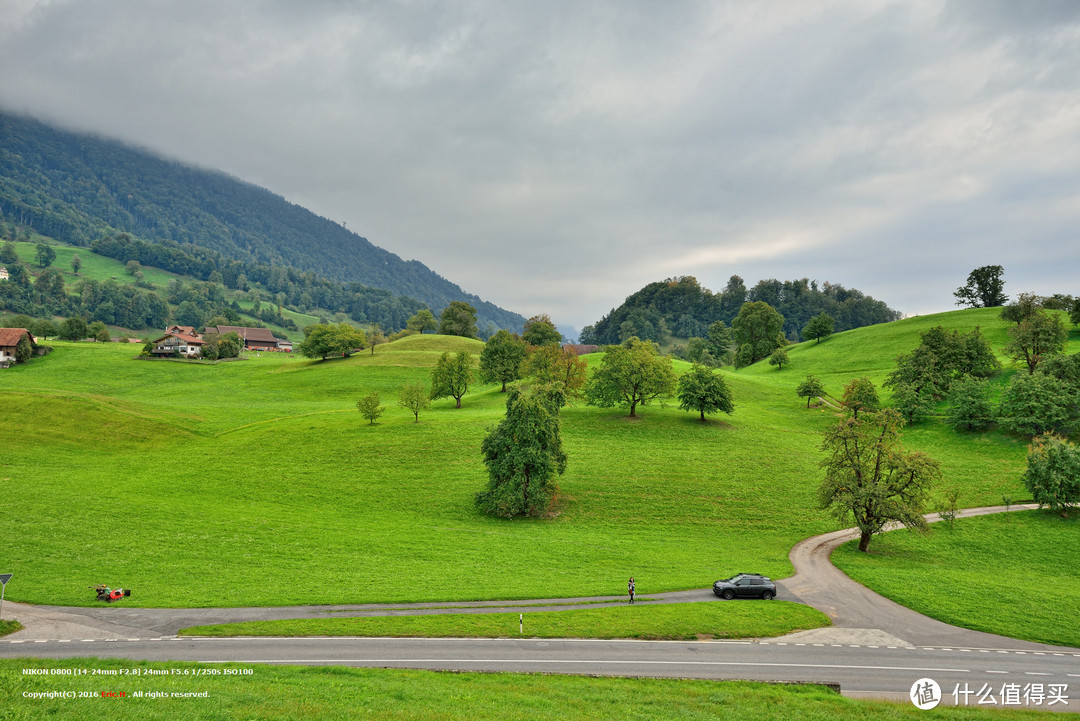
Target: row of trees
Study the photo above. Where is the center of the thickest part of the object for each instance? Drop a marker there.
(681, 307)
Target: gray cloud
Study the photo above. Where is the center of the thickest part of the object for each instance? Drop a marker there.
(556, 157)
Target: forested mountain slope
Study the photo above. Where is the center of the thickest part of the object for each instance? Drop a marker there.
(76, 187)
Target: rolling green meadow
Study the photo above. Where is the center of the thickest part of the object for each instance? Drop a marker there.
(257, 482)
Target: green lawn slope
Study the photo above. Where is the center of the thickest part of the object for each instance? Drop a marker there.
(257, 482)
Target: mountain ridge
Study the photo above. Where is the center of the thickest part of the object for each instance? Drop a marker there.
(76, 186)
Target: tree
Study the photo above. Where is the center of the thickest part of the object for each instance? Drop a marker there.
(95, 330)
(552, 364)
(502, 358)
(323, 340)
(24, 350)
(778, 358)
(8, 255)
(539, 330)
(133, 266)
(369, 407)
(451, 376)
(969, 404)
(912, 405)
(230, 345)
(1025, 306)
(860, 395)
(414, 396)
(76, 263)
(820, 326)
(1074, 312)
(102, 334)
(74, 328)
(1037, 404)
(1053, 473)
(984, 288)
(870, 478)
(1039, 335)
(630, 374)
(810, 388)
(44, 328)
(44, 255)
(720, 341)
(422, 321)
(758, 331)
(458, 318)
(702, 390)
(375, 337)
(523, 454)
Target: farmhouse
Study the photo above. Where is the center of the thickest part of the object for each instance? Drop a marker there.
(9, 339)
(172, 343)
(4, 273)
(253, 338)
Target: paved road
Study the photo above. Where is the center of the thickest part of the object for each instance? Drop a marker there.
(875, 647)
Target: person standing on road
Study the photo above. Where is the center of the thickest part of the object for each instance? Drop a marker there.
(630, 589)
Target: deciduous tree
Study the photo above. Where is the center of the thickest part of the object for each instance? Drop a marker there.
(820, 326)
(630, 374)
(369, 407)
(870, 478)
(1037, 404)
(44, 255)
(1037, 336)
(502, 358)
(758, 331)
(860, 395)
(540, 330)
(810, 388)
(704, 391)
(969, 404)
(984, 288)
(375, 337)
(1053, 473)
(551, 364)
(74, 328)
(458, 318)
(779, 358)
(415, 397)
(523, 455)
(24, 350)
(76, 263)
(323, 340)
(422, 321)
(451, 376)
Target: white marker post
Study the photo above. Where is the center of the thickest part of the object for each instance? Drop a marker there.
(4, 578)
(521, 623)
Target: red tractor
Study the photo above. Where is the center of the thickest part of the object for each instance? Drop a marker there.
(108, 595)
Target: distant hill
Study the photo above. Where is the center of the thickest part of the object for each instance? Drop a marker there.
(682, 307)
(77, 187)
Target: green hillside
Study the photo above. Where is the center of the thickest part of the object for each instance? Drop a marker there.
(102, 269)
(77, 188)
(217, 481)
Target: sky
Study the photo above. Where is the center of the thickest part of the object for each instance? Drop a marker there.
(555, 157)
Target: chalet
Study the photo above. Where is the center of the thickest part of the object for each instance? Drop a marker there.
(185, 329)
(9, 338)
(253, 338)
(176, 343)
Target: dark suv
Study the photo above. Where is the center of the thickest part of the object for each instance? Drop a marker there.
(745, 585)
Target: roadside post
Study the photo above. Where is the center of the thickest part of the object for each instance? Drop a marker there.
(4, 578)
(521, 623)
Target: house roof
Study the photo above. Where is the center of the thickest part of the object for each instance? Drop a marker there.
(186, 329)
(258, 335)
(11, 336)
(189, 339)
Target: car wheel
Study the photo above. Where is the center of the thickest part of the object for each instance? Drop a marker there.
(728, 594)
(767, 595)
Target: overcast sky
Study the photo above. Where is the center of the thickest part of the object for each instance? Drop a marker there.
(556, 156)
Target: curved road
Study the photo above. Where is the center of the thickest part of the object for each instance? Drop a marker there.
(875, 647)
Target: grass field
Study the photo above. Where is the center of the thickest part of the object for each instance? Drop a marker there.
(317, 693)
(258, 483)
(1012, 574)
(683, 621)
